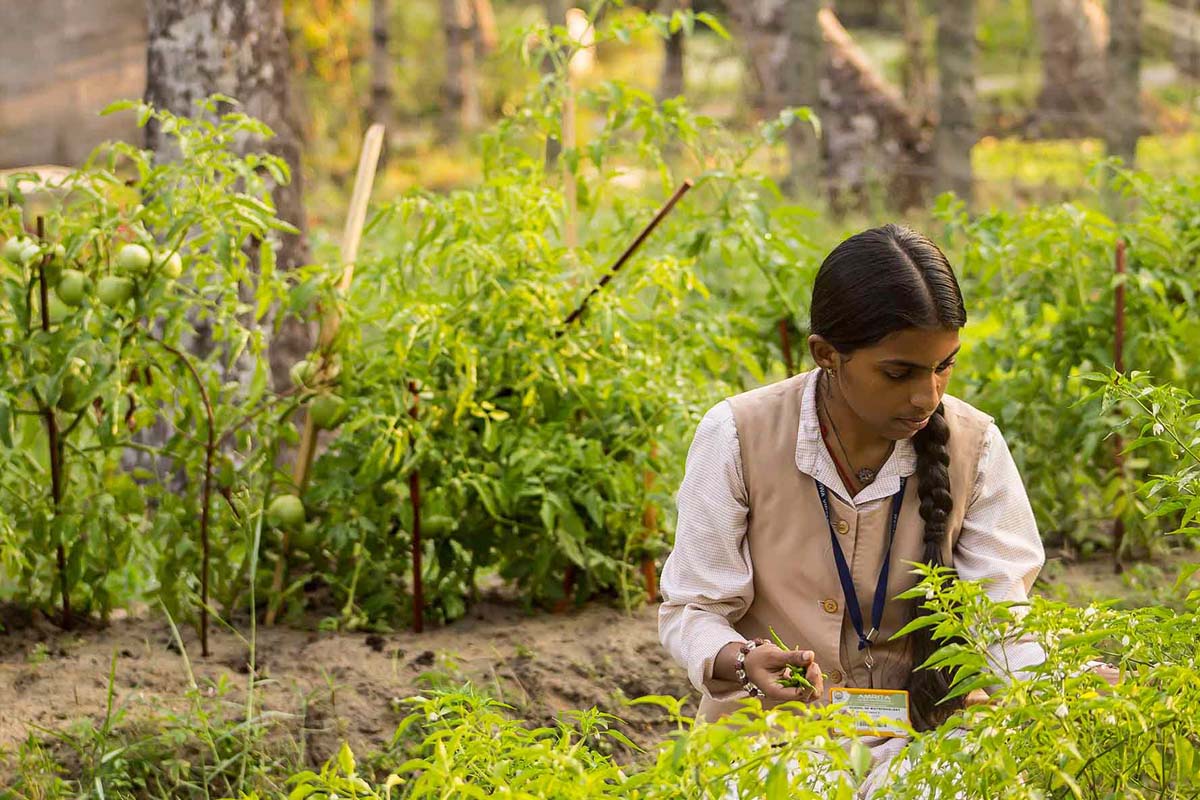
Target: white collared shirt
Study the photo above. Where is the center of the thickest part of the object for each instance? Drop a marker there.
(707, 581)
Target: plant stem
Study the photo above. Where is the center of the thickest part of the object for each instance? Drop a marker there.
(206, 492)
(52, 432)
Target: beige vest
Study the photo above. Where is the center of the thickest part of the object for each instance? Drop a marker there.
(796, 587)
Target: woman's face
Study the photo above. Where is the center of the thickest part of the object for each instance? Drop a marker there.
(894, 385)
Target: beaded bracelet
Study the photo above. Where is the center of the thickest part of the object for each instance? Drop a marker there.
(740, 667)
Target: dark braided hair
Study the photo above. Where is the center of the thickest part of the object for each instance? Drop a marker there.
(875, 283)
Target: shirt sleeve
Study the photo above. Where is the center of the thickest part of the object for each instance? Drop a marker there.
(707, 580)
(999, 544)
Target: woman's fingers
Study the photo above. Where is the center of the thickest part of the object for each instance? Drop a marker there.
(814, 677)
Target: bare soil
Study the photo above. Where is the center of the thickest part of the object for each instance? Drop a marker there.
(342, 686)
(345, 686)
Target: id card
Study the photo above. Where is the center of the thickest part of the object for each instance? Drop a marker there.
(887, 708)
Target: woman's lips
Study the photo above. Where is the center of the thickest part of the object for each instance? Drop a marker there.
(912, 424)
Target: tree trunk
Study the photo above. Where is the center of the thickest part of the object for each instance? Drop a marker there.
(381, 63)
(859, 13)
(460, 89)
(915, 69)
(487, 37)
(870, 139)
(238, 48)
(1123, 117)
(1185, 46)
(784, 42)
(670, 82)
(1073, 35)
(955, 134)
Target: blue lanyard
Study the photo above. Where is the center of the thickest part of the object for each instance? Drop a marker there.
(864, 639)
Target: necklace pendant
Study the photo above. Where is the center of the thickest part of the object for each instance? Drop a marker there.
(865, 475)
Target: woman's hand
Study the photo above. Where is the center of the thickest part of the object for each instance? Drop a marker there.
(767, 664)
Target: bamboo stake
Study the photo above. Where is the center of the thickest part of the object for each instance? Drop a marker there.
(331, 319)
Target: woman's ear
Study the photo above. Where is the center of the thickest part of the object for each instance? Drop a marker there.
(823, 353)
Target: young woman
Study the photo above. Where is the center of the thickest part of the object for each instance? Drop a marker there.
(802, 500)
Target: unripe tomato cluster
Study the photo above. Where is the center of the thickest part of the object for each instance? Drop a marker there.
(134, 264)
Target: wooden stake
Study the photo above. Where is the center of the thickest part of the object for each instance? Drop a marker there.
(650, 526)
(331, 319)
(414, 491)
(53, 435)
(1119, 365)
(629, 251)
(785, 343)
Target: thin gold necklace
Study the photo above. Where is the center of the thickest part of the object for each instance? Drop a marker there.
(865, 475)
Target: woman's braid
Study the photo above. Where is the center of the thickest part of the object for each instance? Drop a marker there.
(927, 687)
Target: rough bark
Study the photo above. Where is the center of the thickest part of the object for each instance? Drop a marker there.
(955, 134)
(670, 81)
(870, 139)
(784, 42)
(460, 89)
(915, 69)
(1185, 44)
(1123, 118)
(1073, 37)
(859, 13)
(869, 135)
(238, 48)
(381, 63)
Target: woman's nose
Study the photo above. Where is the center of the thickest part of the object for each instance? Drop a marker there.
(925, 395)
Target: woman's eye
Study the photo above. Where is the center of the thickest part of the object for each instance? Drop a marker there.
(903, 376)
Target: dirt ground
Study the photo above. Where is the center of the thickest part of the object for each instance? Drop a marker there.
(343, 685)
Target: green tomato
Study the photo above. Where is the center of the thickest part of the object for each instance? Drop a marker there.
(226, 475)
(72, 287)
(30, 252)
(436, 525)
(58, 309)
(170, 266)
(327, 410)
(113, 290)
(302, 372)
(307, 539)
(74, 382)
(286, 511)
(133, 258)
(13, 247)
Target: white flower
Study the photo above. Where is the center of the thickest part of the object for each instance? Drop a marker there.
(1062, 711)
(433, 716)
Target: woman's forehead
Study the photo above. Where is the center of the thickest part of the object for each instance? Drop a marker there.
(921, 346)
